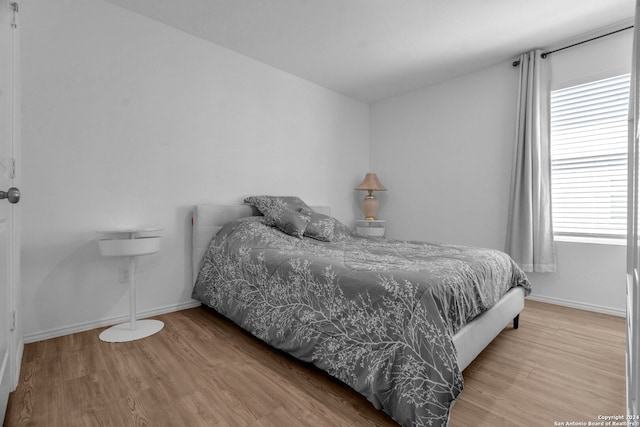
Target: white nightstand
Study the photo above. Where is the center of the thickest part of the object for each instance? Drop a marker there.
(131, 243)
(375, 228)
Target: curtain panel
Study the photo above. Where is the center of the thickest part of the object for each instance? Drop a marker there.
(530, 230)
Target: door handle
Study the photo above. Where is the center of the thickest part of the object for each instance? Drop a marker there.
(12, 194)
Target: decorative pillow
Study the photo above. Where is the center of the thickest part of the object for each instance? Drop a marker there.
(282, 212)
(325, 228)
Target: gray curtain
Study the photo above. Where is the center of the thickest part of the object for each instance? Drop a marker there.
(530, 231)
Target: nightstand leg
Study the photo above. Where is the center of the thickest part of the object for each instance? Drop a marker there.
(132, 293)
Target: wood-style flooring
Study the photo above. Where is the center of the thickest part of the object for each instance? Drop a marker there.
(561, 365)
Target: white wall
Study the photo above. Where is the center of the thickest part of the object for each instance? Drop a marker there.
(445, 154)
(127, 122)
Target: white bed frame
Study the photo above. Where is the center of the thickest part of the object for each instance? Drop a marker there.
(208, 219)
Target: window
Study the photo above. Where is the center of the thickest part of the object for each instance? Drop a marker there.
(589, 158)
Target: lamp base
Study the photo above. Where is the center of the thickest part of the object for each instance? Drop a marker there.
(370, 207)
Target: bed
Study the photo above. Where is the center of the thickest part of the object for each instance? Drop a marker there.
(356, 307)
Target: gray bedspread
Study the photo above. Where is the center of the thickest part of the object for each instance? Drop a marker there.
(377, 314)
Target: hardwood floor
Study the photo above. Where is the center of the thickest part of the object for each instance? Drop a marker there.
(201, 370)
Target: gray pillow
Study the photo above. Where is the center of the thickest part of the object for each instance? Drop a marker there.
(324, 227)
(282, 212)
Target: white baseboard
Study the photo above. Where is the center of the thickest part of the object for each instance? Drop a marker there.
(81, 327)
(579, 305)
(4, 377)
(18, 366)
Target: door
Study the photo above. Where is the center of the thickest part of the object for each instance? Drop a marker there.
(8, 235)
(633, 242)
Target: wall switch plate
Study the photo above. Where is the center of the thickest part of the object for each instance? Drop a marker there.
(123, 275)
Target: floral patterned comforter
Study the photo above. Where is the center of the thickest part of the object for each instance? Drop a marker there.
(377, 314)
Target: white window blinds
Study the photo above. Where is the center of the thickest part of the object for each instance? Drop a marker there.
(589, 158)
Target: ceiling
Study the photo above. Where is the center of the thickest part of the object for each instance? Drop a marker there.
(374, 49)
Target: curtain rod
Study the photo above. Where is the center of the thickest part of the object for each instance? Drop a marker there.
(545, 54)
